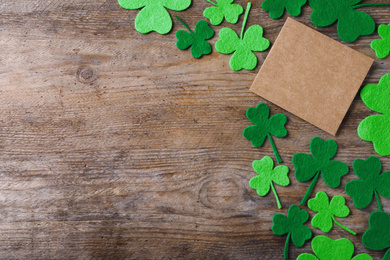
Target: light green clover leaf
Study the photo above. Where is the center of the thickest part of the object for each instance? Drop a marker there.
(382, 46)
(221, 9)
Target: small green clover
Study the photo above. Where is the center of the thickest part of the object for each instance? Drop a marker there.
(267, 175)
(221, 9)
(382, 46)
(371, 182)
(195, 39)
(253, 40)
(377, 236)
(328, 249)
(276, 7)
(376, 128)
(292, 225)
(264, 127)
(154, 16)
(327, 211)
(307, 167)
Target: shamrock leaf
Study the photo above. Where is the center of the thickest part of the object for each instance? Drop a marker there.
(223, 8)
(154, 16)
(327, 211)
(382, 47)
(377, 236)
(307, 167)
(376, 128)
(264, 127)
(267, 175)
(329, 249)
(292, 225)
(253, 40)
(276, 7)
(371, 182)
(197, 39)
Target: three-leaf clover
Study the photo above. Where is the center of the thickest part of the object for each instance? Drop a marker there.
(267, 175)
(382, 46)
(276, 7)
(371, 182)
(307, 167)
(375, 128)
(328, 249)
(154, 16)
(221, 9)
(327, 211)
(195, 39)
(377, 236)
(253, 40)
(264, 127)
(292, 225)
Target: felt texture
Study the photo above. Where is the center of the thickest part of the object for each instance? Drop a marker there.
(351, 23)
(252, 40)
(154, 16)
(197, 39)
(377, 236)
(264, 127)
(223, 9)
(310, 167)
(292, 225)
(376, 128)
(328, 211)
(371, 182)
(276, 7)
(267, 175)
(382, 46)
(328, 249)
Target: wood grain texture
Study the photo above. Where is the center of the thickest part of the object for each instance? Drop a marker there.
(117, 145)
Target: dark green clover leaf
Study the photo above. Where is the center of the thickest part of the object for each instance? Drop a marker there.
(264, 127)
(154, 16)
(195, 39)
(371, 182)
(377, 236)
(221, 9)
(307, 167)
(253, 40)
(276, 7)
(292, 225)
(382, 46)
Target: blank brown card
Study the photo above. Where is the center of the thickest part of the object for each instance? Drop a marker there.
(311, 75)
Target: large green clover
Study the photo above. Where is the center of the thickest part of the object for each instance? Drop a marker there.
(221, 9)
(327, 211)
(377, 236)
(329, 249)
(371, 182)
(276, 7)
(154, 16)
(292, 225)
(376, 128)
(382, 46)
(307, 167)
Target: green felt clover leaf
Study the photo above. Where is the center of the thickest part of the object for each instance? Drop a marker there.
(221, 9)
(267, 175)
(377, 236)
(253, 40)
(154, 16)
(328, 249)
(307, 167)
(327, 211)
(292, 225)
(264, 127)
(376, 128)
(276, 7)
(382, 46)
(371, 182)
(195, 39)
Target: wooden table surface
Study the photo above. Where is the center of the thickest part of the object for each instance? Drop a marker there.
(118, 145)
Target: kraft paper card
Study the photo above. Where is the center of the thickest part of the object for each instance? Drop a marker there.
(311, 75)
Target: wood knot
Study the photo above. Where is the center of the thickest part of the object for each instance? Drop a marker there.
(86, 75)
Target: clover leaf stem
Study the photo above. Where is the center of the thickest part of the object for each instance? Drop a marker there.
(274, 149)
(343, 227)
(310, 189)
(286, 246)
(211, 2)
(185, 25)
(377, 4)
(378, 200)
(248, 8)
(276, 195)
